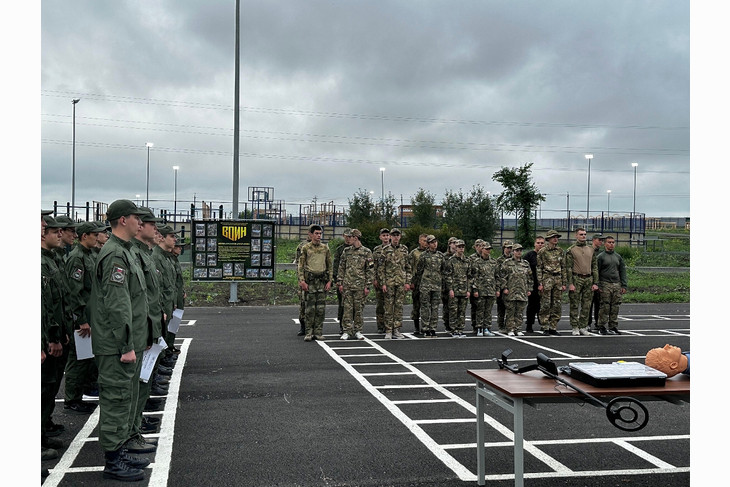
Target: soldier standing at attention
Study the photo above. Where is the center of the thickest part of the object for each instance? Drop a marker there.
(473, 258)
(336, 264)
(429, 275)
(119, 335)
(78, 272)
(302, 301)
(394, 274)
(355, 275)
(485, 288)
(315, 279)
(516, 284)
(506, 254)
(445, 310)
(612, 284)
(551, 283)
(379, 297)
(597, 243)
(458, 282)
(416, 293)
(533, 301)
(582, 276)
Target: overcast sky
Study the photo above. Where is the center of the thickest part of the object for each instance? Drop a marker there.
(441, 94)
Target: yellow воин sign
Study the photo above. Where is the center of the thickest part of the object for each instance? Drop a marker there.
(233, 232)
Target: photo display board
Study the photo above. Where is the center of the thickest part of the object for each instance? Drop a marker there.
(233, 250)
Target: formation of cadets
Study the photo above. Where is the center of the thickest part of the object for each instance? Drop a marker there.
(117, 282)
(536, 283)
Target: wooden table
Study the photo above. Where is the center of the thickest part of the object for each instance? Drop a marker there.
(512, 391)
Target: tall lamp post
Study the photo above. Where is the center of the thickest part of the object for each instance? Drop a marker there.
(382, 186)
(588, 198)
(633, 213)
(73, 156)
(608, 205)
(174, 210)
(149, 144)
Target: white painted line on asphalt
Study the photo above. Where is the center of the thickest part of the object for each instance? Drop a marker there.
(422, 401)
(644, 455)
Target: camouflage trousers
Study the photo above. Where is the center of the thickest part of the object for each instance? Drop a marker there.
(353, 302)
(611, 298)
(302, 307)
(457, 312)
(513, 313)
(550, 303)
(483, 316)
(314, 315)
(580, 301)
(430, 301)
(394, 298)
(380, 308)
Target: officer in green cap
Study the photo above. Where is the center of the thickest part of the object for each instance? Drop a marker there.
(347, 235)
(163, 257)
(501, 307)
(394, 276)
(78, 272)
(552, 282)
(120, 333)
(379, 296)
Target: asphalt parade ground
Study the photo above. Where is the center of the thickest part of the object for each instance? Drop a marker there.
(251, 404)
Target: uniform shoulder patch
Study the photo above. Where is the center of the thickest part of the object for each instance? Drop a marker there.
(119, 274)
(77, 274)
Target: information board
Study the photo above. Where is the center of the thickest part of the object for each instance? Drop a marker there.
(233, 250)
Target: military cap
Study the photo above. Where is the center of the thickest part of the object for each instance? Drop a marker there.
(52, 223)
(479, 242)
(430, 238)
(66, 221)
(451, 240)
(148, 216)
(88, 227)
(167, 230)
(552, 233)
(46, 212)
(487, 245)
(459, 243)
(347, 232)
(395, 231)
(384, 230)
(179, 242)
(355, 233)
(507, 243)
(516, 247)
(122, 208)
(313, 227)
(106, 225)
(597, 236)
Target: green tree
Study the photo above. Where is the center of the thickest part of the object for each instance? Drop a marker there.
(361, 210)
(424, 211)
(520, 197)
(474, 214)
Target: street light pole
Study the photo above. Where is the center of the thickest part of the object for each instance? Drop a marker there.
(608, 206)
(635, 165)
(73, 156)
(149, 144)
(588, 198)
(174, 210)
(382, 186)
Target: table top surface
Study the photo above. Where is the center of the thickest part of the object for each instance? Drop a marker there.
(535, 384)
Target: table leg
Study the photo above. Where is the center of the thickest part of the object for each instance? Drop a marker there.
(481, 470)
(518, 416)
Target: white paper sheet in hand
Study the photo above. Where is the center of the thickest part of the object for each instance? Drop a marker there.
(149, 358)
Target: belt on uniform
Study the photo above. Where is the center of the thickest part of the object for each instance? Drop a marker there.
(582, 275)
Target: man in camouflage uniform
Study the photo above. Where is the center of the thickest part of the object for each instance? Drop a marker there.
(533, 302)
(379, 296)
(415, 288)
(355, 275)
(551, 276)
(314, 273)
(581, 273)
(458, 282)
(473, 258)
(506, 254)
(516, 284)
(597, 243)
(78, 272)
(429, 276)
(612, 284)
(336, 264)
(300, 291)
(445, 310)
(394, 275)
(485, 288)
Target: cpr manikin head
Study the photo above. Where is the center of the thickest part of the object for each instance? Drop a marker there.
(669, 360)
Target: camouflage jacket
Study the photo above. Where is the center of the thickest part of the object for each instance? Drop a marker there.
(336, 261)
(377, 252)
(394, 266)
(516, 277)
(484, 276)
(357, 268)
(429, 271)
(551, 264)
(413, 258)
(315, 261)
(456, 275)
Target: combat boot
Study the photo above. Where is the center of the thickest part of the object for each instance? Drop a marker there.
(116, 468)
(133, 461)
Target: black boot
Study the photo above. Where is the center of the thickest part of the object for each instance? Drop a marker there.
(133, 461)
(417, 326)
(116, 468)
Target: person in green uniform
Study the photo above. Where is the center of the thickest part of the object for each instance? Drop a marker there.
(78, 272)
(415, 287)
(163, 257)
(314, 272)
(379, 296)
(120, 332)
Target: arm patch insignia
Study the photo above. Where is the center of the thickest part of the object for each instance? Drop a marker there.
(119, 275)
(77, 274)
